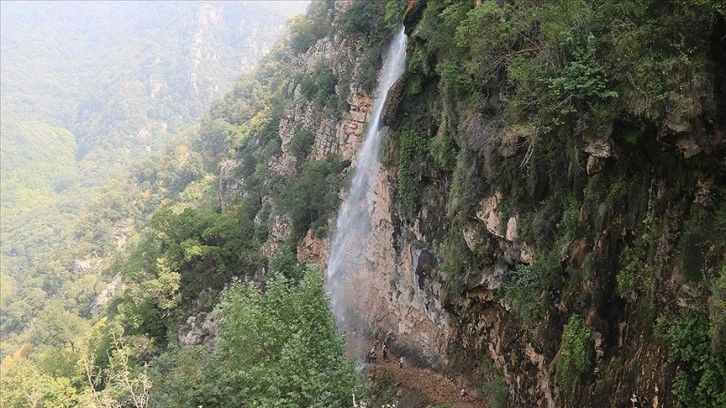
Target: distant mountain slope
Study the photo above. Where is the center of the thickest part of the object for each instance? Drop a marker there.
(90, 89)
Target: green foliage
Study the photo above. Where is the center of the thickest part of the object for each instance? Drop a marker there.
(368, 72)
(540, 62)
(56, 327)
(38, 163)
(453, 78)
(703, 241)
(187, 254)
(582, 77)
(218, 136)
(25, 385)
(576, 353)
(365, 19)
(302, 143)
(412, 149)
(496, 390)
(282, 346)
(522, 290)
(657, 52)
(189, 376)
(444, 151)
(285, 264)
(312, 197)
(89, 93)
(627, 275)
(394, 13)
(114, 366)
(717, 309)
(305, 31)
(701, 373)
(320, 87)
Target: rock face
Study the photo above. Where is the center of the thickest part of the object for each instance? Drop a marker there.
(403, 297)
(198, 329)
(521, 233)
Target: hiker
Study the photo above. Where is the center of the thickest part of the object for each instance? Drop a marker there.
(463, 393)
(385, 352)
(400, 362)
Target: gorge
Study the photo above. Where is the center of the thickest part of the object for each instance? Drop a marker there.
(524, 198)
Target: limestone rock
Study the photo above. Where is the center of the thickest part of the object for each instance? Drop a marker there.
(488, 213)
(198, 329)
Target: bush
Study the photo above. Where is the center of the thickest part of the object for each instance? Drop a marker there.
(282, 346)
(521, 290)
(301, 144)
(306, 31)
(497, 391)
(320, 87)
(313, 195)
(576, 353)
(717, 306)
(700, 374)
(412, 149)
(627, 274)
(367, 19)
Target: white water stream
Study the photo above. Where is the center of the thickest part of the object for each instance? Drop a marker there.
(352, 230)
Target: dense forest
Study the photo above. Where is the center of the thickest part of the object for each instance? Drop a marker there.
(547, 224)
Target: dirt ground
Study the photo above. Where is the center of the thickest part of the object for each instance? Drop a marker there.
(412, 386)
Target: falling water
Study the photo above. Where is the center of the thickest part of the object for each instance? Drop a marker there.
(352, 232)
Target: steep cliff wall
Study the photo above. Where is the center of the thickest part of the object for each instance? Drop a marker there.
(547, 221)
(578, 245)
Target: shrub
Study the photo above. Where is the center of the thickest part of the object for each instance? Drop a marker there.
(301, 144)
(627, 274)
(365, 18)
(700, 374)
(717, 307)
(521, 289)
(412, 149)
(311, 197)
(320, 86)
(576, 352)
(582, 76)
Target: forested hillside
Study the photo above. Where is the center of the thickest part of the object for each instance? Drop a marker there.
(545, 226)
(98, 104)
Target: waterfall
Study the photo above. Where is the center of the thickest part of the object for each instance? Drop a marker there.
(346, 258)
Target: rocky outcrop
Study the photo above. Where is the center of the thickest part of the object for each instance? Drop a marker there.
(103, 298)
(198, 329)
(404, 304)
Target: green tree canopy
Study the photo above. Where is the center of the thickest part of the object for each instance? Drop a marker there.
(282, 346)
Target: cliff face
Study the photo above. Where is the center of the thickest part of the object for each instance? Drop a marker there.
(598, 224)
(558, 257)
(396, 301)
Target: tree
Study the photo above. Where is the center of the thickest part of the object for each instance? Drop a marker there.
(58, 327)
(282, 346)
(111, 363)
(25, 385)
